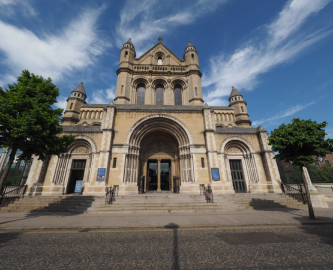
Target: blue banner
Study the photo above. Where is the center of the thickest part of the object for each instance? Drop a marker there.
(215, 174)
(101, 174)
(78, 186)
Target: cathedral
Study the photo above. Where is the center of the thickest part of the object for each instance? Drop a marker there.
(158, 134)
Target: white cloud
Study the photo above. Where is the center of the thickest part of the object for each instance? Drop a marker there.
(75, 48)
(143, 20)
(10, 7)
(61, 102)
(280, 44)
(103, 96)
(290, 111)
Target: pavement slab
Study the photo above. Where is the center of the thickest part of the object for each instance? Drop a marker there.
(278, 216)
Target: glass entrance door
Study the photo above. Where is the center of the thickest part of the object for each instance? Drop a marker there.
(77, 173)
(237, 176)
(152, 174)
(165, 174)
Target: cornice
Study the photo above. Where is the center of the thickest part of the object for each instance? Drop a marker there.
(76, 98)
(238, 102)
(80, 132)
(71, 111)
(192, 99)
(159, 72)
(243, 122)
(124, 97)
(241, 114)
(70, 119)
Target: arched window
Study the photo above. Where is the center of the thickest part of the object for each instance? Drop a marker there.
(159, 94)
(178, 94)
(126, 54)
(159, 60)
(196, 91)
(242, 109)
(140, 92)
(71, 106)
(192, 56)
(74, 94)
(122, 89)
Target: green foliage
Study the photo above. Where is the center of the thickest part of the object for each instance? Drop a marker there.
(27, 120)
(14, 176)
(300, 142)
(317, 175)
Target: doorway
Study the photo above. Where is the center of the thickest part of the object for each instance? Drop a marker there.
(77, 173)
(165, 174)
(152, 174)
(237, 176)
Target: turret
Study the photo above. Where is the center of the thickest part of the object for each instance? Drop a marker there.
(194, 90)
(123, 90)
(241, 116)
(74, 103)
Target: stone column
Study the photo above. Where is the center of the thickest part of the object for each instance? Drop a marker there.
(317, 200)
(158, 175)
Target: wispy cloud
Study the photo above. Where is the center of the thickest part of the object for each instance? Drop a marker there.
(280, 43)
(103, 96)
(10, 7)
(75, 48)
(142, 20)
(288, 112)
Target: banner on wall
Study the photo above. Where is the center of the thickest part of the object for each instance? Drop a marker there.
(101, 174)
(215, 174)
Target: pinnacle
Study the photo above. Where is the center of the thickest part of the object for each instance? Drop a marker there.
(80, 89)
(234, 92)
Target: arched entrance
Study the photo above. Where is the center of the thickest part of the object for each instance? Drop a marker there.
(159, 160)
(240, 163)
(159, 148)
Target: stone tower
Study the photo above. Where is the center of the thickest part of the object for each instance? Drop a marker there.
(74, 103)
(241, 116)
(158, 77)
(123, 90)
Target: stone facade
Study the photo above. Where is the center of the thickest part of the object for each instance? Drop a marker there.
(158, 128)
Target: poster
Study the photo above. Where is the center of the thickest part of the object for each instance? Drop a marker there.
(78, 186)
(215, 174)
(101, 174)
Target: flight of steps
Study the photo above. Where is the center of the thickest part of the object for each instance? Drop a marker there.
(158, 203)
(260, 201)
(47, 203)
(152, 203)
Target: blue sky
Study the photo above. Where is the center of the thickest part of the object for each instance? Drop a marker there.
(278, 54)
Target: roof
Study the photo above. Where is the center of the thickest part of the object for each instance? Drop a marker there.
(80, 89)
(234, 92)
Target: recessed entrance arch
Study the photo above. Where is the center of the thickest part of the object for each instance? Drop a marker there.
(159, 148)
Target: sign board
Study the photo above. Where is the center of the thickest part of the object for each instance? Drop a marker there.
(215, 174)
(101, 174)
(78, 186)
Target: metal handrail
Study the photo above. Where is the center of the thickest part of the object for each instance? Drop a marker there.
(110, 195)
(297, 193)
(11, 193)
(209, 194)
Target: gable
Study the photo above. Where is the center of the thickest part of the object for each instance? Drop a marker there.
(159, 48)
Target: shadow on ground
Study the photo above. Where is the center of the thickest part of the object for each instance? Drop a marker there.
(175, 255)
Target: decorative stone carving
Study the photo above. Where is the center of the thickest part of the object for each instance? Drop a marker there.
(234, 150)
(81, 150)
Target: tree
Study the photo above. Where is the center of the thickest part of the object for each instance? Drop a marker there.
(301, 142)
(28, 122)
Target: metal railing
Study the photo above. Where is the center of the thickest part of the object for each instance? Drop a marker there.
(325, 190)
(11, 193)
(209, 194)
(110, 195)
(297, 192)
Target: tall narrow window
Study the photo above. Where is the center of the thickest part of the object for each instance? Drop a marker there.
(242, 109)
(122, 89)
(196, 91)
(71, 106)
(114, 165)
(159, 94)
(192, 56)
(126, 54)
(178, 94)
(141, 91)
(159, 61)
(202, 163)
